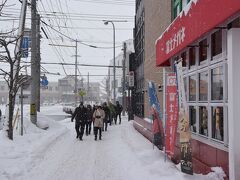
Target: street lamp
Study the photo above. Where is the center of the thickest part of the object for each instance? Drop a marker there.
(114, 66)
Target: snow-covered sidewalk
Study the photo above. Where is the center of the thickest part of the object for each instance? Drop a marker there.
(56, 154)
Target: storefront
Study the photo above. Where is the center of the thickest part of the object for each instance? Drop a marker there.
(206, 37)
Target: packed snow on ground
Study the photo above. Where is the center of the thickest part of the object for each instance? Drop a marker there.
(56, 154)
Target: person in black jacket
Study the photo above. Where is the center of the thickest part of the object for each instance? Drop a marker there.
(80, 115)
(106, 119)
(89, 119)
(119, 109)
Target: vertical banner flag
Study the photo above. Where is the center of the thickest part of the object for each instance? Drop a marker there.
(172, 113)
(158, 132)
(185, 134)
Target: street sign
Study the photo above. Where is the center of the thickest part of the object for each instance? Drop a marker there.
(131, 79)
(44, 82)
(24, 46)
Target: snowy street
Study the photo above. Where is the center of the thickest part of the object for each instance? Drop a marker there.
(56, 154)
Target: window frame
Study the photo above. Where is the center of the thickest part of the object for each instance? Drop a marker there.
(208, 65)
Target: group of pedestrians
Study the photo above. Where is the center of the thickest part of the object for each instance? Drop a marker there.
(99, 116)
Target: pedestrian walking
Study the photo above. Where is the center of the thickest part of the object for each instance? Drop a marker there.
(112, 110)
(106, 119)
(119, 109)
(98, 117)
(80, 115)
(89, 120)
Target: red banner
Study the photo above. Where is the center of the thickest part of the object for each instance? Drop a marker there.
(172, 113)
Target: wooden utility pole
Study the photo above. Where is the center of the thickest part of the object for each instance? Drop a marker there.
(34, 67)
(124, 78)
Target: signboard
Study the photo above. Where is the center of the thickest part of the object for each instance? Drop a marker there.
(44, 82)
(131, 79)
(199, 18)
(172, 113)
(24, 46)
(157, 128)
(185, 134)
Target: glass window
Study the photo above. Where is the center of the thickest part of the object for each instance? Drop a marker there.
(216, 43)
(192, 118)
(217, 83)
(203, 50)
(192, 57)
(192, 87)
(203, 86)
(217, 123)
(203, 120)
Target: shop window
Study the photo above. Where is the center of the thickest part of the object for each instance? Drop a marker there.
(203, 50)
(192, 57)
(203, 120)
(192, 118)
(217, 83)
(216, 43)
(203, 86)
(192, 87)
(217, 123)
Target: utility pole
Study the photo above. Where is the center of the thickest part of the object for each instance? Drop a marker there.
(34, 70)
(88, 94)
(75, 89)
(38, 64)
(108, 86)
(124, 79)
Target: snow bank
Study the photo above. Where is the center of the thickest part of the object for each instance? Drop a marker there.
(19, 155)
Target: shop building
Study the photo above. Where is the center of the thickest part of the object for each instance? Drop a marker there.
(205, 36)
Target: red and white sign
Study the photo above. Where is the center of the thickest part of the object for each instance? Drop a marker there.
(172, 113)
(202, 16)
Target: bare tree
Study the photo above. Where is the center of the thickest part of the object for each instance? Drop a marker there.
(11, 75)
(2, 5)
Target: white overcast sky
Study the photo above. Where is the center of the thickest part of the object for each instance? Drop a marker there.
(81, 19)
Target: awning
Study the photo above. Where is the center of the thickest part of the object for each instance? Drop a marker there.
(198, 18)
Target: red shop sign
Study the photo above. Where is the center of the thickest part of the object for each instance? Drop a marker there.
(198, 18)
(172, 113)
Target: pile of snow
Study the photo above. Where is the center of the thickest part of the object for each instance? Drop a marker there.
(23, 151)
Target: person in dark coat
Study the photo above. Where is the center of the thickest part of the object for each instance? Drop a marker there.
(89, 119)
(112, 110)
(106, 119)
(80, 115)
(119, 109)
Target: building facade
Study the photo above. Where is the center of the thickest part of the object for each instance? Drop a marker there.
(119, 59)
(204, 35)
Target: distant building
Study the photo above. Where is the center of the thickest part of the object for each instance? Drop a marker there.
(66, 87)
(58, 92)
(119, 72)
